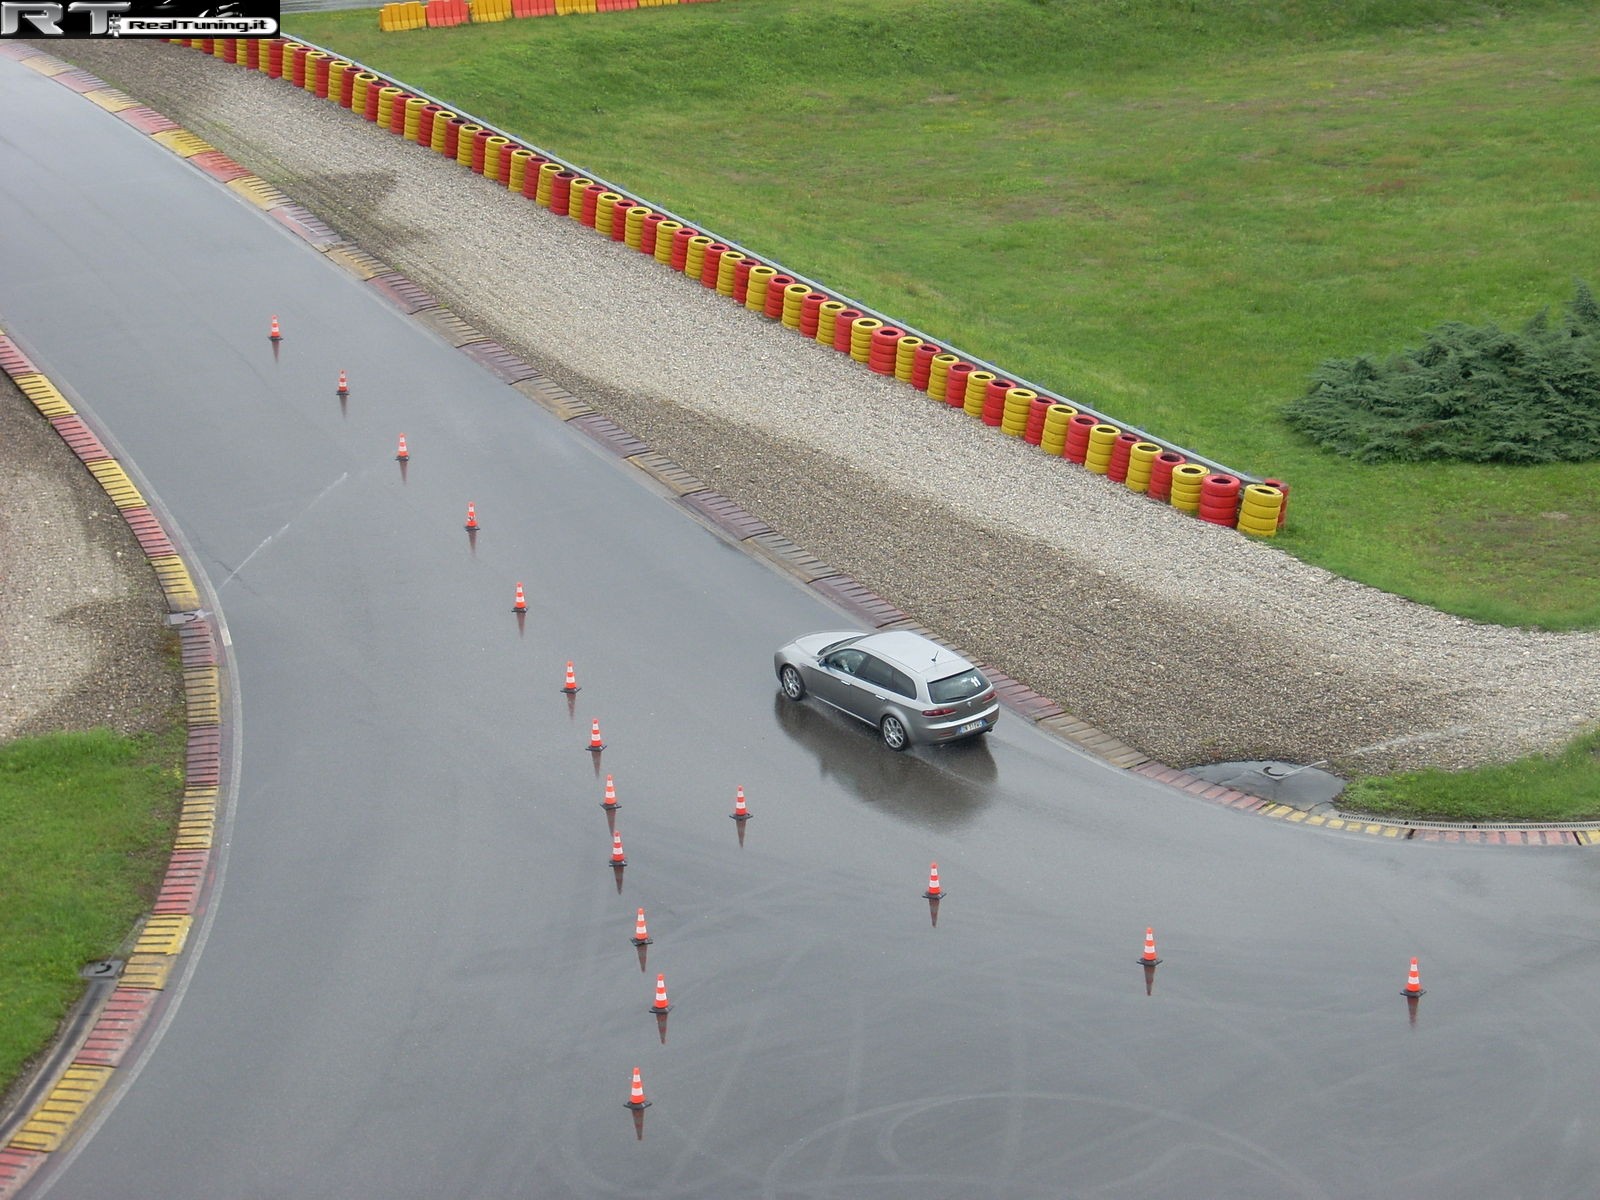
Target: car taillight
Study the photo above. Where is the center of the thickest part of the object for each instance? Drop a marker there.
(985, 698)
(937, 712)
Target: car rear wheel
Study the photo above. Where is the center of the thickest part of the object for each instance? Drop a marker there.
(893, 733)
(793, 686)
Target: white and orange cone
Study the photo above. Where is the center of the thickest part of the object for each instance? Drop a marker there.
(1148, 958)
(1413, 981)
(595, 744)
(641, 931)
(402, 454)
(521, 603)
(661, 1007)
(276, 334)
(636, 1099)
(934, 892)
(571, 685)
(344, 386)
(617, 857)
(610, 802)
(472, 518)
(740, 812)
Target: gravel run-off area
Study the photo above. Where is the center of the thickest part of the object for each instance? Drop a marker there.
(1191, 642)
(83, 637)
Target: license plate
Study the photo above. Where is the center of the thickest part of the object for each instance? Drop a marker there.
(971, 727)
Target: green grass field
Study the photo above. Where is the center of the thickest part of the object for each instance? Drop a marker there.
(1171, 210)
(88, 822)
(1555, 787)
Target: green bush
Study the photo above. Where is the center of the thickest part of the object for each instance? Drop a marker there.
(1469, 394)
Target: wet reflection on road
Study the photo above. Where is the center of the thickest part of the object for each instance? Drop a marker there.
(935, 787)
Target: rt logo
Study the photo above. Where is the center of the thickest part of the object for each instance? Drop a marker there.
(46, 16)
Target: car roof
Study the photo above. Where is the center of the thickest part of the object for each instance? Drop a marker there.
(915, 654)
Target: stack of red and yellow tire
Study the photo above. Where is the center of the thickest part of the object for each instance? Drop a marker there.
(1055, 427)
(436, 14)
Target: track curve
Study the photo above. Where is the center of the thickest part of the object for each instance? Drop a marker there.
(419, 980)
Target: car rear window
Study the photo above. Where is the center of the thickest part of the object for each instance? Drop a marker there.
(958, 687)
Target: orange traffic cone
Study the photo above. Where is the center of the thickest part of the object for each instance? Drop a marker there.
(403, 455)
(934, 892)
(344, 387)
(1148, 958)
(472, 515)
(571, 685)
(636, 1098)
(661, 1005)
(1413, 981)
(276, 335)
(740, 812)
(641, 934)
(521, 603)
(617, 859)
(610, 802)
(595, 743)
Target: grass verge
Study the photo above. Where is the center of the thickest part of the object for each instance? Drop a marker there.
(1547, 787)
(1171, 210)
(88, 821)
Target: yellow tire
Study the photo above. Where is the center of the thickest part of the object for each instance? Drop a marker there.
(728, 272)
(1053, 438)
(633, 226)
(1140, 456)
(1260, 502)
(861, 337)
(939, 375)
(1186, 481)
(977, 392)
(695, 258)
(469, 134)
(827, 320)
(493, 148)
(1019, 403)
(547, 172)
(386, 97)
(664, 232)
(794, 302)
(575, 200)
(1258, 528)
(606, 209)
(905, 358)
(755, 295)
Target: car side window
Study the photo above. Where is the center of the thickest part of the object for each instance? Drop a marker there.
(874, 671)
(902, 683)
(880, 674)
(848, 661)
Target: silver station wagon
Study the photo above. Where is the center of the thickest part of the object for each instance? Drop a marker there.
(910, 689)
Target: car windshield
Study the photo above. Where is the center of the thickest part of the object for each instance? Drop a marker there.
(832, 646)
(958, 687)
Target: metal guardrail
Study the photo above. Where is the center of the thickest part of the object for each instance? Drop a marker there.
(1165, 444)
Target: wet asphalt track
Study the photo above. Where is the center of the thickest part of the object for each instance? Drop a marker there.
(418, 981)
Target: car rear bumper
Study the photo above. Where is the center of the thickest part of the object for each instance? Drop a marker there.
(968, 726)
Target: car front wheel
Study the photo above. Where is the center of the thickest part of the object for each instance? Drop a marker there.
(793, 686)
(893, 733)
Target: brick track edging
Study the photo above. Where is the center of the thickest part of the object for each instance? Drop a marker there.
(84, 1070)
